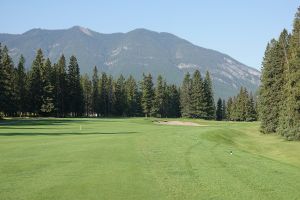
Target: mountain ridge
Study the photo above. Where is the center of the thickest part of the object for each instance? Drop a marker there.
(135, 52)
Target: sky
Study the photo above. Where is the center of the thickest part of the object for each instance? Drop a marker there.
(239, 28)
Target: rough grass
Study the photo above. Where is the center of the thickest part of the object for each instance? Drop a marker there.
(138, 159)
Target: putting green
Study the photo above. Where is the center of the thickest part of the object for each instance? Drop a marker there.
(139, 159)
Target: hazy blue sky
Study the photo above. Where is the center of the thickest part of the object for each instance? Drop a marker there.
(238, 28)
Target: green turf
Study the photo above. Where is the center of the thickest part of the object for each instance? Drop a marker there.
(137, 159)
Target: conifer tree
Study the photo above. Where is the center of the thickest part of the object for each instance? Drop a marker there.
(158, 107)
(234, 112)
(186, 96)
(95, 93)
(21, 92)
(197, 98)
(36, 83)
(229, 108)
(87, 87)
(290, 117)
(60, 89)
(224, 109)
(147, 94)
(219, 111)
(132, 98)
(103, 95)
(110, 88)
(271, 87)
(8, 84)
(47, 97)
(241, 105)
(120, 95)
(2, 84)
(251, 114)
(173, 108)
(208, 97)
(75, 95)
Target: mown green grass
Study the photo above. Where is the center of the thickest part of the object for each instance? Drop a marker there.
(137, 159)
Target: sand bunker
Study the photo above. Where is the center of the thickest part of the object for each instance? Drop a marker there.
(178, 123)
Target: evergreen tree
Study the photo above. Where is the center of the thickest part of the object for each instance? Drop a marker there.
(240, 107)
(87, 88)
(186, 96)
(147, 94)
(173, 102)
(2, 84)
(21, 92)
(60, 89)
(120, 95)
(132, 99)
(110, 88)
(251, 114)
(219, 111)
(103, 95)
(159, 98)
(229, 108)
(234, 116)
(290, 116)
(47, 97)
(208, 97)
(95, 93)
(75, 93)
(224, 109)
(271, 87)
(36, 83)
(8, 84)
(197, 98)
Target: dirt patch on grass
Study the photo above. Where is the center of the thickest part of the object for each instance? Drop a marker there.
(178, 123)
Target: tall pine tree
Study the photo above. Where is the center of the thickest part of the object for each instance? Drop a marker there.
(290, 116)
(219, 111)
(8, 84)
(60, 89)
(87, 87)
(197, 97)
(36, 83)
(224, 109)
(103, 95)
(158, 108)
(147, 94)
(271, 87)
(47, 106)
(95, 93)
(173, 108)
(75, 95)
(120, 95)
(132, 99)
(21, 92)
(186, 96)
(209, 97)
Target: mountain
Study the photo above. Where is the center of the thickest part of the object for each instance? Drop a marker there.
(136, 52)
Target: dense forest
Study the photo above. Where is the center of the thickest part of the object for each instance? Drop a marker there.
(58, 90)
(279, 98)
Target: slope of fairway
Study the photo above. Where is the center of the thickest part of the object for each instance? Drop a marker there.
(139, 159)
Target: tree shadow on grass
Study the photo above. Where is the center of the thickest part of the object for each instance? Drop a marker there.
(65, 134)
(51, 121)
(34, 122)
(27, 128)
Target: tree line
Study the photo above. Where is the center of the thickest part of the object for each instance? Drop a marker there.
(279, 98)
(58, 90)
(241, 107)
